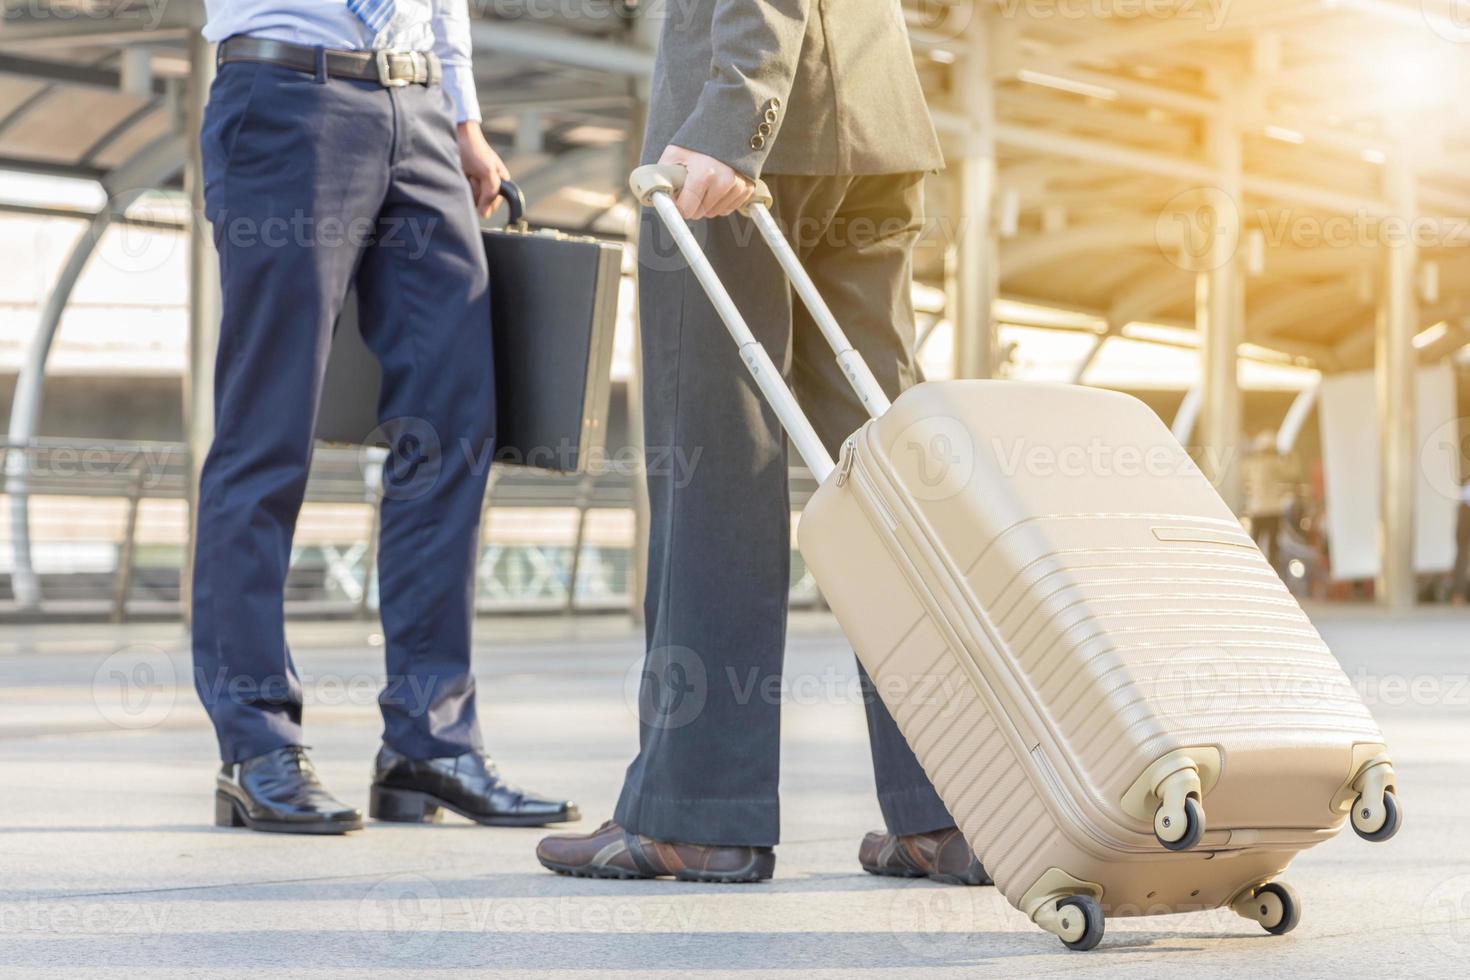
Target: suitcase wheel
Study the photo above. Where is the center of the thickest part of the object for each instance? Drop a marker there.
(1180, 828)
(1274, 905)
(1078, 922)
(1376, 822)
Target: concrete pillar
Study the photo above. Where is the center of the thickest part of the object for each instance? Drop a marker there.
(1220, 317)
(204, 298)
(529, 134)
(646, 34)
(975, 267)
(1394, 367)
(136, 70)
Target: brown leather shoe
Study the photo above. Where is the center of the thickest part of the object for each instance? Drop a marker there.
(612, 852)
(941, 855)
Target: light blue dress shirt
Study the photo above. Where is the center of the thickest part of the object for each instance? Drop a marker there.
(441, 26)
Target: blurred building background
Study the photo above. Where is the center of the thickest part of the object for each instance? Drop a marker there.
(1253, 215)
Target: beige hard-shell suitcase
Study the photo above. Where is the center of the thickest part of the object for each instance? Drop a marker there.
(1118, 700)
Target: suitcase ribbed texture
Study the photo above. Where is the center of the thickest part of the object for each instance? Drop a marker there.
(1109, 636)
(967, 759)
(1152, 623)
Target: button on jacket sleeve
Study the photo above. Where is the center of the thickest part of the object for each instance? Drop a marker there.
(452, 45)
(756, 45)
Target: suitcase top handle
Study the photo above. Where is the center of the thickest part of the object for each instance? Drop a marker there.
(654, 186)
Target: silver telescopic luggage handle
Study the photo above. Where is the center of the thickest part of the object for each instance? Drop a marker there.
(869, 392)
(655, 186)
(669, 178)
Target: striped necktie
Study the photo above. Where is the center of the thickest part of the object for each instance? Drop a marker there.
(374, 13)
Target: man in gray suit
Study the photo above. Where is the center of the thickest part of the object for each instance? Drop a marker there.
(821, 99)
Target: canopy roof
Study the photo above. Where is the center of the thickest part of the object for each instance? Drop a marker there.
(1112, 123)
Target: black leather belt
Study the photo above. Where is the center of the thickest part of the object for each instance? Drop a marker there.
(391, 69)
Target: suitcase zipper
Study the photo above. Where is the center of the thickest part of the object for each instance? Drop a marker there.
(1045, 774)
(844, 462)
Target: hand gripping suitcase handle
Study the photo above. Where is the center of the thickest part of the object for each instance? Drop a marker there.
(655, 186)
(669, 178)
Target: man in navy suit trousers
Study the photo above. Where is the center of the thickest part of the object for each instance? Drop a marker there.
(342, 145)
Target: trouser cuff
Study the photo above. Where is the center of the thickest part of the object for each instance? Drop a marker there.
(724, 823)
(916, 810)
(276, 732)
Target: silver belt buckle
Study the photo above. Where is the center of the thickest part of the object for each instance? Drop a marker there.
(385, 73)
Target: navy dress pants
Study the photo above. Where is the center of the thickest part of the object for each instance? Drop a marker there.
(312, 184)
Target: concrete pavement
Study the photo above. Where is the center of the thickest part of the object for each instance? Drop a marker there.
(109, 864)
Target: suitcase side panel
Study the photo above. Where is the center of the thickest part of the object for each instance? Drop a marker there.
(1132, 612)
(959, 741)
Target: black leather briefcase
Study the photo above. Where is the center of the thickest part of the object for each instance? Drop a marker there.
(554, 302)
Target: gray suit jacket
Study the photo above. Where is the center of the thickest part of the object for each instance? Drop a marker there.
(815, 87)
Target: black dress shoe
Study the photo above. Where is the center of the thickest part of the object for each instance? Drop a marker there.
(279, 792)
(415, 790)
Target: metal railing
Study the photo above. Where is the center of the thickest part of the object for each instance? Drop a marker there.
(109, 532)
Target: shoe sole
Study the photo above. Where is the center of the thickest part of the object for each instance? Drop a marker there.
(909, 873)
(894, 872)
(229, 813)
(621, 874)
(391, 805)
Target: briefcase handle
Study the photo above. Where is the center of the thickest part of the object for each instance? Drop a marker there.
(515, 199)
